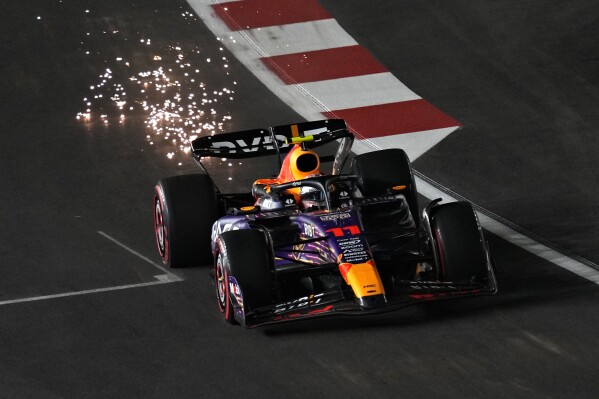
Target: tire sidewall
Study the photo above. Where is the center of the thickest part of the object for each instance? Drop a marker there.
(459, 242)
(221, 282)
(247, 263)
(164, 248)
(189, 205)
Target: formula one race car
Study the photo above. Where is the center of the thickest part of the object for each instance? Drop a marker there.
(303, 243)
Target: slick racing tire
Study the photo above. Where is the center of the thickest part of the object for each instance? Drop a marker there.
(379, 171)
(461, 247)
(242, 272)
(185, 207)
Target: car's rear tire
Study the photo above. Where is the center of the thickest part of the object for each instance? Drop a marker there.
(380, 171)
(244, 263)
(185, 207)
(459, 242)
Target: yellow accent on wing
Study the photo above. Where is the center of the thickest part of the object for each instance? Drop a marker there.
(297, 140)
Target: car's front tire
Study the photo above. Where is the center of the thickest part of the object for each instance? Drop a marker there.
(460, 243)
(242, 272)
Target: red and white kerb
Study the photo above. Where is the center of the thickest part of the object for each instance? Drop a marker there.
(306, 58)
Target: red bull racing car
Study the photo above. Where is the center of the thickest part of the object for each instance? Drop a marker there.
(309, 240)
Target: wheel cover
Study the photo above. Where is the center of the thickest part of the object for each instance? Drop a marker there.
(159, 227)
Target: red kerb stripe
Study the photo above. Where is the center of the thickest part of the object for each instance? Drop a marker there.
(249, 14)
(334, 63)
(395, 118)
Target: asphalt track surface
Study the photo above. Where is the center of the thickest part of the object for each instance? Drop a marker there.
(76, 207)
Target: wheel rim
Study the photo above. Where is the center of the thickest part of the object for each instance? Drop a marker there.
(221, 284)
(159, 227)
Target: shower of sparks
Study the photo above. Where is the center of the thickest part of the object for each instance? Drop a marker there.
(176, 104)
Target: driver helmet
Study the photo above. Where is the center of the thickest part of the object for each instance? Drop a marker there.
(311, 198)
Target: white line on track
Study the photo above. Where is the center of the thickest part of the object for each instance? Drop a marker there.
(166, 278)
(140, 256)
(86, 292)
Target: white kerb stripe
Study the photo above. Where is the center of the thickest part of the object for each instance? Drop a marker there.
(360, 91)
(414, 144)
(299, 37)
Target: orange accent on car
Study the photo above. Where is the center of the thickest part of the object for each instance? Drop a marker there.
(287, 169)
(344, 269)
(363, 278)
(290, 171)
(294, 131)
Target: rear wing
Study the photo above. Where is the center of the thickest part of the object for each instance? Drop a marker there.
(274, 140)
